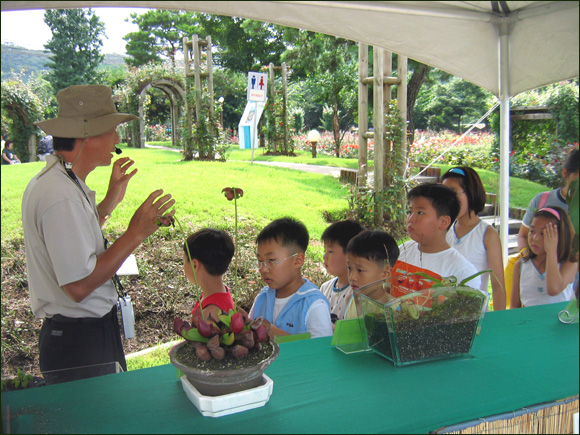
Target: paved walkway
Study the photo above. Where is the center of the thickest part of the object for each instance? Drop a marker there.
(325, 170)
(318, 169)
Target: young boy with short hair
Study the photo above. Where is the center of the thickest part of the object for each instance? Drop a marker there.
(370, 257)
(338, 290)
(211, 252)
(292, 304)
(432, 210)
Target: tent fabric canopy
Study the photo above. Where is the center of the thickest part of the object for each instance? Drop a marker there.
(460, 37)
(506, 47)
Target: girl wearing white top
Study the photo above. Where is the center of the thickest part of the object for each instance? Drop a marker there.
(544, 275)
(476, 240)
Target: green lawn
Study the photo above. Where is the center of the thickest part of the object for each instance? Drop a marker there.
(269, 192)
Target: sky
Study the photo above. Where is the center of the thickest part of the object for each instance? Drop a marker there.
(27, 28)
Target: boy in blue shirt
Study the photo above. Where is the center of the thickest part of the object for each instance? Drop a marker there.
(292, 304)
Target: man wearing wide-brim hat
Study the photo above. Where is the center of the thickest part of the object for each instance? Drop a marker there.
(70, 270)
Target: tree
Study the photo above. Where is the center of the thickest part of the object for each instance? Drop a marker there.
(141, 49)
(448, 102)
(243, 45)
(161, 33)
(420, 74)
(22, 106)
(329, 66)
(75, 46)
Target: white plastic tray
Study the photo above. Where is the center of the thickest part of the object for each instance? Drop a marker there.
(218, 406)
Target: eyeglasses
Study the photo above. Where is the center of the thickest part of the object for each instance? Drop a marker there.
(271, 263)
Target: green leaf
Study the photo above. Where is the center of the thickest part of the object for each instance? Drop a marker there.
(225, 319)
(469, 278)
(228, 338)
(194, 335)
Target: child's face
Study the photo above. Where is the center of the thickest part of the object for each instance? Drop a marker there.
(536, 234)
(455, 185)
(423, 224)
(362, 271)
(279, 266)
(334, 259)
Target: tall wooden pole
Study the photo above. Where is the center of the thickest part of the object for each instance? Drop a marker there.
(285, 105)
(210, 85)
(402, 106)
(379, 125)
(363, 113)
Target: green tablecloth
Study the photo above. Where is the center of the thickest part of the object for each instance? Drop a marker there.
(522, 357)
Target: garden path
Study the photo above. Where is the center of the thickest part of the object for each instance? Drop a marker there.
(318, 169)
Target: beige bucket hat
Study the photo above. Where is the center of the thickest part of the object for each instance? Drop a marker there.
(84, 111)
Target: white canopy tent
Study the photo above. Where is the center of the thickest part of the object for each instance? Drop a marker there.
(506, 47)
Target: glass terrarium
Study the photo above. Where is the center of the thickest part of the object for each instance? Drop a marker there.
(350, 335)
(426, 325)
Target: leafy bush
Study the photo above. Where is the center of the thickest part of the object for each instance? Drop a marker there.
(157, 133)
(474, 149)
(348, 149)
(540, 147)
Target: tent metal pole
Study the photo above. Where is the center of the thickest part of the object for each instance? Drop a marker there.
(504, 179)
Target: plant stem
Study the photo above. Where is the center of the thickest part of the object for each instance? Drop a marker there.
(235, 249)
(192, 268)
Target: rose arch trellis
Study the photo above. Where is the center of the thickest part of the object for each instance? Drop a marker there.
(23, 107)
(132, 100)
(174, 92)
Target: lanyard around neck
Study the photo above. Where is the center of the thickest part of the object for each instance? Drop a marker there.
(116, 281)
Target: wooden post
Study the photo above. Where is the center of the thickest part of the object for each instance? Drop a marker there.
(379, 125)
(272, 117)
(211, 120)
(188, 146)
(402, 106)
(388, 148)
(196, 70)
(141, 123)
(363, 113)
(32, 148)
(284, 105)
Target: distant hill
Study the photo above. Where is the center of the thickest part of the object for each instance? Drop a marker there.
(16, 58)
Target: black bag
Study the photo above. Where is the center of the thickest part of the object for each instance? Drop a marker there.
(45, 145)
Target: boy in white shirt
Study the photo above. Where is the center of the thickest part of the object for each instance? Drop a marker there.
(432, 210)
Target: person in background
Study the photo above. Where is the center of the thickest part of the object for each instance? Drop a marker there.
(290, 303)
(8, 156)
(338, 290)
(45, 147)
(552, 198)
(71, 273)
(544, 275)
(477, 240)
